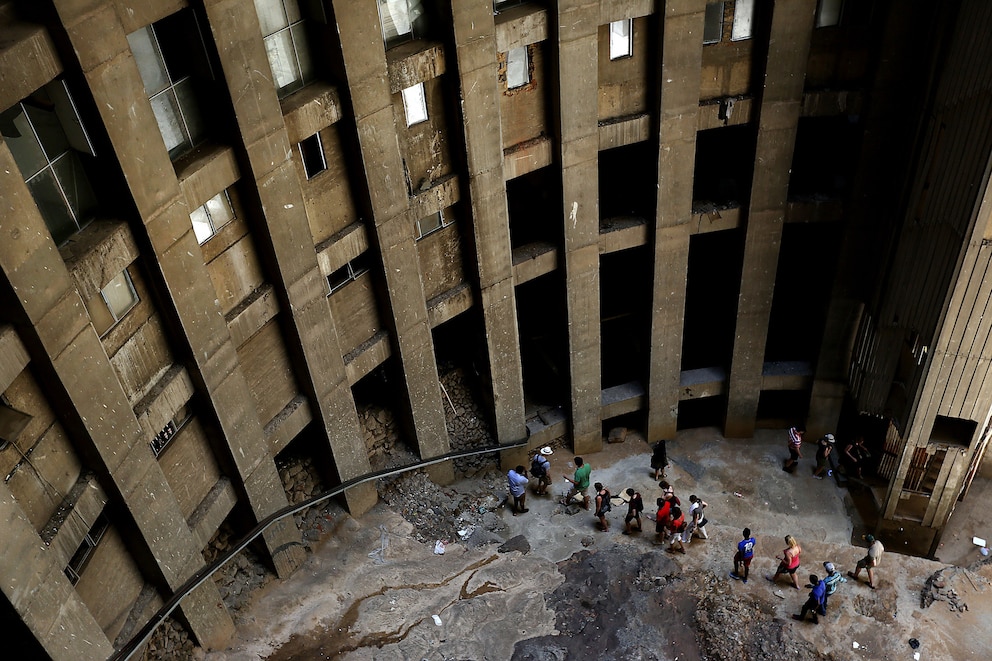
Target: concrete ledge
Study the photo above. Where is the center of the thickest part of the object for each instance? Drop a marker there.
(616, 11)
(786, 375)
(307, 111)
(526, 157)
(440, 195)
(730, 111)
(367, 356)
(828, 103)
(13, 356)
(715, 219)
(209, 514)
(286, 424)
(622, 131)
(414, 62)
(625, 398)
(533, 260)
(449, 305)
(251, 314)
(25, 43)
(520, 26)
(97, 254)
(705, 382)
(546, 426)
(622, 233)
(173, 389)
(206, 172)
(816, 210)
(73, 519)
(342, 247)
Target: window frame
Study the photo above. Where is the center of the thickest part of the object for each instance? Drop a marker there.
(214, 227)
(526, 67)
(107, 314)
(742, 28)
(443, 222)
(422, 106)
(627, 39)
(310, 149)
(304, 70)
(414, 13)
(163, 439)
(719, 30)
(84, 552)
(351, 271)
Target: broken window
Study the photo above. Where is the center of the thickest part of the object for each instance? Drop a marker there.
(621, 38)
(84, 552)
(517, 67)
(170, 54)
(284, 31)
(713, 23)
(743, 14)
(312, 153)
(211, 216)
(347, 273)
(112, 303)
(402, 20)
(47, 139)
(415, 104)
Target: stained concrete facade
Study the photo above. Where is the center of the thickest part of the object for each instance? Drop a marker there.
(225, 227)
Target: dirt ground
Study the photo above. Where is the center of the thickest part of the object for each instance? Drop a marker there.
(548, 585)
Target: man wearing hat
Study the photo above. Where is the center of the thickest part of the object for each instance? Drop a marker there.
(831, 581)
(823, 450)
(540, 467)
(870, 561)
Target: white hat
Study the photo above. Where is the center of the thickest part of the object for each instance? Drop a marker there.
(546, 450)
(829, 438)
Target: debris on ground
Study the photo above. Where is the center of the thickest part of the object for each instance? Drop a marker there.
(949, 584)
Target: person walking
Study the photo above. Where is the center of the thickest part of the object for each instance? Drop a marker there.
(832, 580)
(823, 449)
(870, 561)
(795, 445)
(855, 455)
(603, 506)
(635, 505)
(815, 600)
(580, 483)
(743, 557)
(540, 467)
(675, 525)
(517, 478)
(697, 522)
(788, 561)
(659, 458)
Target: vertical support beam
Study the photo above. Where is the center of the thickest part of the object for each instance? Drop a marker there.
(41, 594)
(98, 39)
(234, 24)
(475, 43)
(365, 67)
(62, 341)
(778, 118)
(681, 69)
(576, 117)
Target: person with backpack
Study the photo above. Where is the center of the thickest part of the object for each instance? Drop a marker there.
(697, 522)
(603, 506)
(540, 467)
(634, 508)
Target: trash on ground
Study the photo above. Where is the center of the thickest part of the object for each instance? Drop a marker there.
(437, 619)
(978, 541)
(439, 547)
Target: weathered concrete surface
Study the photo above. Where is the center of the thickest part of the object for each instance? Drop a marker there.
(579, 591)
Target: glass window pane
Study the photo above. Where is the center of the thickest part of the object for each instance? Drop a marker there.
(189, 105)
(169, 123)
(415, 104)
(302, 47)
(76, 187)
(517, 72)
(395, 18)
(293, 11)
(49, 130)
(149, 59)
(65, 108)
(219, 209)
(99, 314)
(120, 295)
(201, 224)
(743, 13)
(271, 16)
(282, 59)
(713, 23)
(429, 224)
(620, 39)
(51, 204)
(19, 136)
(828, 13)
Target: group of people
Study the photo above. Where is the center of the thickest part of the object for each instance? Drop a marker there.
(854, 456)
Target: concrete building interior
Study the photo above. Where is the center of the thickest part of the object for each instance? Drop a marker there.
(230, 227)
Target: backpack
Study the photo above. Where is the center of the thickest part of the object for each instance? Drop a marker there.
(607, 505)
(537, 467)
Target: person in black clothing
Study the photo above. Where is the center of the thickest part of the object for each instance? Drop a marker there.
(634, 508)
(659, 459)
(603, 506)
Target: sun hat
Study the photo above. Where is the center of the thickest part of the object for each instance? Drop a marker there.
(829, 438)
(829, 566)
(546, 450)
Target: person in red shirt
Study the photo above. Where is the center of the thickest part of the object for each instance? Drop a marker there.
(675, 526)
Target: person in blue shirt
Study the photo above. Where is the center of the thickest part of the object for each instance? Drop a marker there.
(744, 555)
(517, 480)
(832, 580)
(815, 600)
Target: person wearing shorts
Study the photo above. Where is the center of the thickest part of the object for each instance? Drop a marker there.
(788, 561)
(743, 557)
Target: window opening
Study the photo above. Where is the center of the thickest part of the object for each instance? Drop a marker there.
(312, 153)
(171, 429)
(46, 136)
(211, 216)
(713, 23)
(284, 33)
(743, 15)
(828, 13)
(432, 223)
(12, 423)
(84, 552)
(349, 272)
(517, 67)
(415, 104)
(113, 303)
(621, 38)
(400, 20)
(166, 63)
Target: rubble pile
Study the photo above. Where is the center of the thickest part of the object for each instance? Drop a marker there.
(468, 427)
(171, 641)
(382, 437)
(948, 584)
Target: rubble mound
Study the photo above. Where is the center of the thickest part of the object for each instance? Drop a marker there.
(951, 584)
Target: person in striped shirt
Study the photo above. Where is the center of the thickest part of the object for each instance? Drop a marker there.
(795, 445)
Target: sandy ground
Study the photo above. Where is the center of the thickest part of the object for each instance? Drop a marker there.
(371, 591)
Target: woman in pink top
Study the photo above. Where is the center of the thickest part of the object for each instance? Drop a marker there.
(788, 561)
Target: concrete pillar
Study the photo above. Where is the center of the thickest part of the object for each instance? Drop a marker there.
(365, 67)
(99, 41)
(681, 66)
(235, 28)
(778, 117)
(576, 119)
(38, 590)
(475, 44)
(70, 358)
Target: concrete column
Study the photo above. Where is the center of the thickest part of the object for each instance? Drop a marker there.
(99, 41)
(681, 68)
(475, 43)
(576, 121)
(83, 385)
(365, 67)
(778, 117)
(235, 28)
(41, 594)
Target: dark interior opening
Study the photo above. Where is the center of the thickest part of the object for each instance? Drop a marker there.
(724, 166)
(712, 290)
